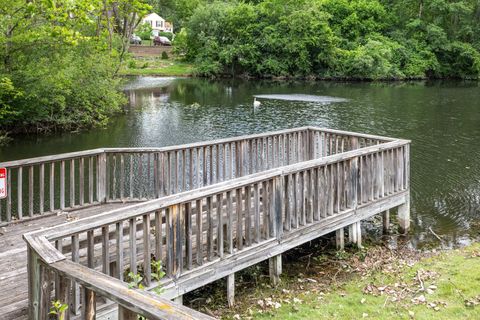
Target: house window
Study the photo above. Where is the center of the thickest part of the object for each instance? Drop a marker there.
(159, 24)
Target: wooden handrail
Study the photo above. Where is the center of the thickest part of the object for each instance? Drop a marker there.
(71, 155)
(136, 210)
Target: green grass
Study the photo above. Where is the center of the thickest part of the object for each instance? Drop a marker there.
(157, 67)
(456, 275)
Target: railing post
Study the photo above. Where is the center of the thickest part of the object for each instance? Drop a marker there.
(89, 308)
(102, 177)
(38, 287)
(33, 266)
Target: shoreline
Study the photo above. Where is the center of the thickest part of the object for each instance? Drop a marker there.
(374, 283)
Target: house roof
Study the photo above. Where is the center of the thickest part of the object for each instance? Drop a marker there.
(153, 16)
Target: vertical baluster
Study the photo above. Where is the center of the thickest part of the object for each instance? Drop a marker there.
(248, 223)
(158, 236)
(179, 227)
(114, 177)
(147, 267)
(90, 179)
(303, 197)
(148, 193)
(176, 172)
(224, 177)
(19, 193)
(188, 235)
(72, 183)
(256, 212)
(130, 180)
(132, 224)
(81, 181)
(205, 167)
(52, 187)
(191, 169)
(198, 207)
(9, 196)
(239, 211)
(210, 228)
(75, 307)
(105, 251)
(265, 207)
(140, 176)
(169, 233)
(42, 187)
(229, 211)
(122, 177)
(295, 191)
(30, 191)
(331, 190)
(220, 225)
(288, 209)
(184, 169)
(119, 240)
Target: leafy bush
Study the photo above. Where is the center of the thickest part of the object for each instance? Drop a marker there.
(164, 55)
(333, 38)
(144, 31)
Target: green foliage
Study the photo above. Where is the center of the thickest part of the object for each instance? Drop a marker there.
(134, 280)
(144, 31)
(164, 55)
(58, 308)
(59, 63)
(357, 39)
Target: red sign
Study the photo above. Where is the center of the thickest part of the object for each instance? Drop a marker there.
(3, 183)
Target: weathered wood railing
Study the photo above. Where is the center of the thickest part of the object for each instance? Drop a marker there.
(49, 184)
(213, 231)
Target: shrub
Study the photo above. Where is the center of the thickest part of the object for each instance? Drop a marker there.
(164, 55)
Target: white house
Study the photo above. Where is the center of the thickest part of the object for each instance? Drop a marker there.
(158, 23)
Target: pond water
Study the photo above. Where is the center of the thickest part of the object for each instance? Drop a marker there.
(441, 118)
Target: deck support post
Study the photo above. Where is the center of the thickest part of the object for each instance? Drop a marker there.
(231, 289)
(355, 234)
(404, 215)
(275, 269)
(126, 314)
(386, 221)
(340, 239)
(352, 233)
(179, 299)
(359, 234)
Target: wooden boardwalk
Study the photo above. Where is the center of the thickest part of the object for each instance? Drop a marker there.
(13, 258)
(205, 210)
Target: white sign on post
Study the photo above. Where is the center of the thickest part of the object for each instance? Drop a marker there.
(3, 183)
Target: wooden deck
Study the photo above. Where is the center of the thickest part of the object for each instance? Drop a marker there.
(13, 257)
(206, 210)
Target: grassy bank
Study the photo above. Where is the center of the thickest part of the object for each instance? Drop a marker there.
(377, 283)
(157, 67)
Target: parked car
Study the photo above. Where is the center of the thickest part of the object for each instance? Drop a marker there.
(161, 41)
(134, 39)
